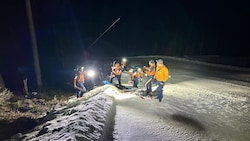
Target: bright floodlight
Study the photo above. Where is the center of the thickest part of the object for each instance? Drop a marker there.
(124, 60)
(91, 73)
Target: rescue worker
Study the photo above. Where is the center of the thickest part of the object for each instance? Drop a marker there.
(116, 72)
(79, 81)
(136, 77)
(161, 76)
(149, 72)
(140, 71)
(124, 64)
(131, 72)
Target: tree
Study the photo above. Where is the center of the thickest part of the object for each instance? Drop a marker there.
(2, 85)
(34, 45)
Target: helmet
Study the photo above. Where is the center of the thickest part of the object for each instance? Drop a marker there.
(160, 61)
(151, 61)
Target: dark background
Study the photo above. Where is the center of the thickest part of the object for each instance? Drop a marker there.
(65, 29)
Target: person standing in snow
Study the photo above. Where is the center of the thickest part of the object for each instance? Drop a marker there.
(116, 73)
(149, 72)
(79, 81)
(136, 77)
(131, 72)
(161, 76)
(124, 64)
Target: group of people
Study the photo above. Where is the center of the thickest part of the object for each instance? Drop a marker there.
(154, 71)
(159, 72)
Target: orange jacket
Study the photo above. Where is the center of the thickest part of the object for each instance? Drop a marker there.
(79, 78)
(117, 70)
(137, 74)
(150, 71)
(161, 73)
(140, 73)
(130, 72)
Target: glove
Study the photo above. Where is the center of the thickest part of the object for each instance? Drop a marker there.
(154, 81)
(162, 83)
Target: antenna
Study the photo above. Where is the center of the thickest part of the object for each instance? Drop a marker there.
(104, 32)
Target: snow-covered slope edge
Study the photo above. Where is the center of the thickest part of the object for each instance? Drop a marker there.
(88, 118)
(196, 60)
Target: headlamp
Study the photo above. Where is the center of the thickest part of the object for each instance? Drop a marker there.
(91, 73)
(124, 60)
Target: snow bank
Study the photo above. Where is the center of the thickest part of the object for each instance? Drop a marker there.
(197, 60)
(88, 118)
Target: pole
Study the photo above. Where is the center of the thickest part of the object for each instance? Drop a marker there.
(104, 32)
(34, 45)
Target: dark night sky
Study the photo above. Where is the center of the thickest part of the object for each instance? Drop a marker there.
(65, 28)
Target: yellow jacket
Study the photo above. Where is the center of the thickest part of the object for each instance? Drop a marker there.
(161, 73)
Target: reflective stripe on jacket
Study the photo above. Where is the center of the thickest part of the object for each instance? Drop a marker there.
(150, 71)
(137, 75)
(117, 69)
(79, 78)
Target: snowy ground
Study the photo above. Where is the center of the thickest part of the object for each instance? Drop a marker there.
(201, 102)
